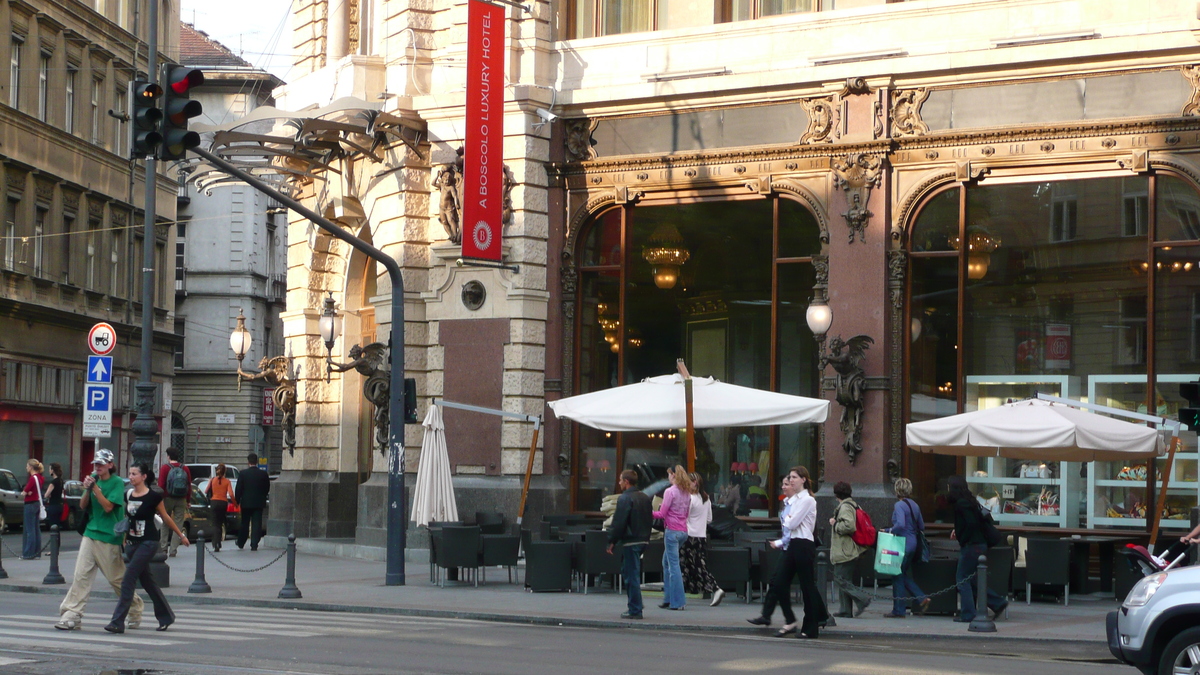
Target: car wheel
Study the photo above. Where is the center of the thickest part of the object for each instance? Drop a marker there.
(1182, 654)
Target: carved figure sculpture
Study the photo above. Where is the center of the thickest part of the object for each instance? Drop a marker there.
(449, 182)
(372, 363)
(278, 372)
(856, 174)
(846, 357)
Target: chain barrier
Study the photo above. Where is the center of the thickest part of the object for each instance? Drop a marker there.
(208, 551)
(851, 587)
(18, 555)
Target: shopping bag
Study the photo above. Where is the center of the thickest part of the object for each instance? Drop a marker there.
(889, 554)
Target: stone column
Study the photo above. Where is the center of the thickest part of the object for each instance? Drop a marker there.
(337, 30)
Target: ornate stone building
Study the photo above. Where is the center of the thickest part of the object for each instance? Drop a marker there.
(1000, 196)
(71, 231)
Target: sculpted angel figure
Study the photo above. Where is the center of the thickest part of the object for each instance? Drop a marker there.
(449, 183)
(372, 363)
(846, 357)
(277, 371)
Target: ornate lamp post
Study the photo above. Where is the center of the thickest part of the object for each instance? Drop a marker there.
(819, 317)
(371, 362)
(276, 371)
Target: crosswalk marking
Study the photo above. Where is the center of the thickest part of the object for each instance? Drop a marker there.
(88, 636)
(5, 661)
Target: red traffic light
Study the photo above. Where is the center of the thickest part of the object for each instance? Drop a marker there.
(181, 79)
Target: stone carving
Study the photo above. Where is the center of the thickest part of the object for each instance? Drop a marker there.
(449, 184)
(278, 372)
(906, 112)
(578, 139)
(822, 120)
(70, 201)
(44, 190)
(856, 174)
(1192, 107)
(815, 205)
(846, 357)
(355, 29)
(897, 264)
(877, 117)
(372, 363)
(820, 265)
(855, 86)
(897, 270)
(15, 180)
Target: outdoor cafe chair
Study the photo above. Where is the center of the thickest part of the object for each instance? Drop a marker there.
(459, 548)
(1048, 562)
(730, 566)
(548, 566)
(490, 523)
(499, 550)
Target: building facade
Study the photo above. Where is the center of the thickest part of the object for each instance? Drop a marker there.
(230, 259)
(993, 199)
(72, 238)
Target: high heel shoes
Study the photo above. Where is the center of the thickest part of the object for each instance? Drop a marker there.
(163, 626)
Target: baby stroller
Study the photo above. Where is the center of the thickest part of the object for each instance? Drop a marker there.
(1145, 563)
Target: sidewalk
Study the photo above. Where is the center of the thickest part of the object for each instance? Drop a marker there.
(344, 585)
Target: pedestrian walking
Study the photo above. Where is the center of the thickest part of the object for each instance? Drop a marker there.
(100, 548)
(844, 553)
(969, 531)
(55, 514)
(907, 522)
(141, 543)
(220, 494)
(175, 480)
(251, 494)
(631, 530)
(31, 529)
(693, 555)
(674, 513)
(798, 518)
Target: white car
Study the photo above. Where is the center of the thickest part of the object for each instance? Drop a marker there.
(1157, 628)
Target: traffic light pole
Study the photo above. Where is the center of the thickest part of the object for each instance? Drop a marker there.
(396, 521)
(144, 426)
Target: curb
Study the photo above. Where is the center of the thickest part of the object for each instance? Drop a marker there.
(535, 620)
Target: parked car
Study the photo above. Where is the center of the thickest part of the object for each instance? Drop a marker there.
(72, 492)
(202, 516)
(1157, 629)
(205, 471)
(12, 504)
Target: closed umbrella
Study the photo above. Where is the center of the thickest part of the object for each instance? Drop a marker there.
(433, 499)
(1035, 429)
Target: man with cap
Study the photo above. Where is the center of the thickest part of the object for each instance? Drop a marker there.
(100, 549)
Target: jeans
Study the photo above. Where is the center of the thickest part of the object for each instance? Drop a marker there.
(31, 531)
(968, 562)
(137, 570)
(631, 572)
(672, 576)
(903, 585)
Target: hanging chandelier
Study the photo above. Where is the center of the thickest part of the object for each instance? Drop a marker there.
(666, 254)
(610, 326)
(980, 246)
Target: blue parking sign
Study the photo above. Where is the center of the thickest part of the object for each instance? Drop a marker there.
(98, 399)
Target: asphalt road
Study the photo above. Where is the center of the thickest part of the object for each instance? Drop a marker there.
(244, 641)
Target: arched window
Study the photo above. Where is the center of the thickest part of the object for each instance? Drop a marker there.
(1085, 288)
(723, 285)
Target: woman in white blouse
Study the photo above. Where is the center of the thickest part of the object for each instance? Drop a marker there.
(797, 517)
(692, 555)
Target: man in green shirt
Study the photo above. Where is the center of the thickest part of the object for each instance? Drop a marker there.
(100, 548)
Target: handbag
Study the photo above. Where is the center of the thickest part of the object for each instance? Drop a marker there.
(990, 534)
(41, 499)
(923, 548)
(889, 553)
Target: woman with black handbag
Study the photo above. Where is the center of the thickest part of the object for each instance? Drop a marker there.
(972, 532)
(141, 543)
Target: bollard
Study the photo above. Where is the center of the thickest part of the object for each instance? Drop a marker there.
(199, 585)
(981, 623)
(54, 576)
(289, 590)
(823, 574)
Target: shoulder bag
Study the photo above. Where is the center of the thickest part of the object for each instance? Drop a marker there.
(41, 498)
(923, 549)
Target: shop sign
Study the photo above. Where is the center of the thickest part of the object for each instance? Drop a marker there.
(268, 406)
(1058, 345)
(483, 156)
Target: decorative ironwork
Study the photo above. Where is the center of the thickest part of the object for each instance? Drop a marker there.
(846, 357)
(897, 272)
(279, 372)
(372, 363)
(856, 174)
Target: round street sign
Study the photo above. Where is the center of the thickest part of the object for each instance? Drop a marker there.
(102, 339)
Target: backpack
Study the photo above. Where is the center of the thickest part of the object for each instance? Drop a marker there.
(177, 482)
(864, 530)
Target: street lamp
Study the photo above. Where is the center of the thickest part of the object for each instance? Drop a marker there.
(277, 371)
(240, 339)
(819, 317)
(329, 326)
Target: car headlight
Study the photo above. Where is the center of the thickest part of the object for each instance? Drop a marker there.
(1145, 589)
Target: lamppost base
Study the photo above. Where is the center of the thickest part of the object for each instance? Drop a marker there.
(393, 580)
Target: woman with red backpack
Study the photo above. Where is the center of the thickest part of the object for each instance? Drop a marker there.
(844, 551)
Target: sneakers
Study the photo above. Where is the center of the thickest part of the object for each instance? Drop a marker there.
(717, 597)
(69, 624)
(134, 624)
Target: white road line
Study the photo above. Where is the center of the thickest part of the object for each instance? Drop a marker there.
(79, 636)
(256, 613)
(179, 628)
(57, 645)
(5, 661)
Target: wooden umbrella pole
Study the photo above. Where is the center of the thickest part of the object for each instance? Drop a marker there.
(691, 422)
(1162, 493)
(528, 474)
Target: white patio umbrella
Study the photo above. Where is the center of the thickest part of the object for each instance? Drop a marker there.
(433, 498)
(1035, 429)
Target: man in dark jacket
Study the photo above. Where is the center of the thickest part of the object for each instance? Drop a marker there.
(251, 492)
(631, 529)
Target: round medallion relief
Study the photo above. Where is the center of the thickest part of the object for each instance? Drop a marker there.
(473, 295)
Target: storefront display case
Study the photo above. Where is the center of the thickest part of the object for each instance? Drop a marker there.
(1021, 492)
(1118, 491)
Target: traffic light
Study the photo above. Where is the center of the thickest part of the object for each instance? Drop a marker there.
(178, 108)
(146, 119)
(1190, 416)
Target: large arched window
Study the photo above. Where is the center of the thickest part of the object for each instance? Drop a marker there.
(721, 284)
(1086, 288)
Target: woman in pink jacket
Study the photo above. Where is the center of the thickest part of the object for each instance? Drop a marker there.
(674, 512)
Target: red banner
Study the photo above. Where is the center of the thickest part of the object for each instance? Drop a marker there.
(483, 159)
